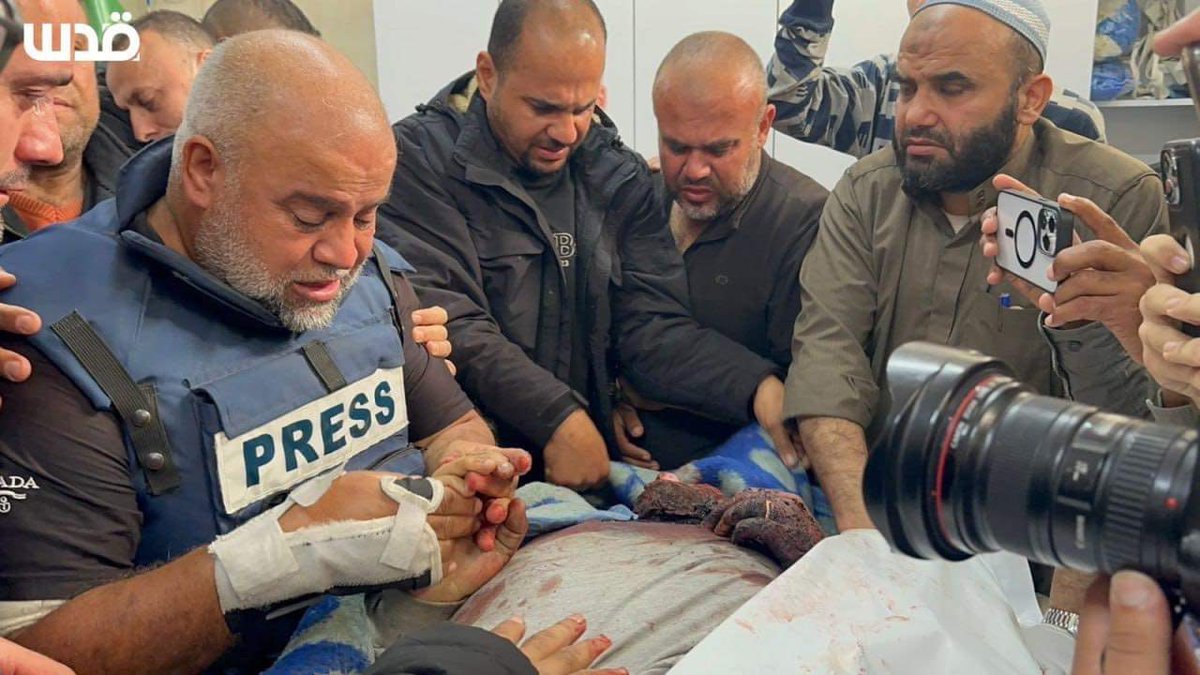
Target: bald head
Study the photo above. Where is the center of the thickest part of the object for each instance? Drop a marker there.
(227, 18)
(536, 21)
(272, 192)
(245, 94)
(710, 99)
(712, 65)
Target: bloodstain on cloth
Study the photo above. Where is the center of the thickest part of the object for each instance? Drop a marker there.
(777, 524)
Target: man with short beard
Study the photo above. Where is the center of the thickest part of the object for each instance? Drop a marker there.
(539, 231)
(92, 152)
(220, 421)
(897, 259)
(742, 221)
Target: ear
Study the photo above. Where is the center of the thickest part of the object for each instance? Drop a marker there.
(201, 57)
(764, 125)
(486, 75)
(1034, 96)
(202, 174)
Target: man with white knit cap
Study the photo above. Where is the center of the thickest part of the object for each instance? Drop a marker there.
(897, 257)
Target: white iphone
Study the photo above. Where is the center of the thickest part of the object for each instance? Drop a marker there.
(1032, 231)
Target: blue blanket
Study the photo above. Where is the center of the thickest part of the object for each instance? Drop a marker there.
(335, 634)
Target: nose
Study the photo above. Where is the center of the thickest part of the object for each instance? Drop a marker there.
(917, 111)
(563, 131)
(39, 142)
(144, 129)
(695, 168)
(340, 245)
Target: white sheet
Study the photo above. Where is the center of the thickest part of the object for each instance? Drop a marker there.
(851, 605)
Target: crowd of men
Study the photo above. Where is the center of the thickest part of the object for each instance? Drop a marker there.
(225, 387)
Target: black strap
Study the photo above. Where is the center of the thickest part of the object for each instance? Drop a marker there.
(385, 273)
(317, 355)
(136, 406)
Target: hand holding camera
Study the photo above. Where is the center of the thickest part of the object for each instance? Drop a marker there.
(1038, 250)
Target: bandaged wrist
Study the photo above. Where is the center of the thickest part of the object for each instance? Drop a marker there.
(258, 565)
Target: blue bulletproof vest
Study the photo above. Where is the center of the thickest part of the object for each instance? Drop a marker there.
(249, 409)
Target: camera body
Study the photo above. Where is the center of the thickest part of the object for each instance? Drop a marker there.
(970, 460)
(1180, 172)
(1032, 232)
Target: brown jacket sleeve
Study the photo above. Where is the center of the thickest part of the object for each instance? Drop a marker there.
(831, 372)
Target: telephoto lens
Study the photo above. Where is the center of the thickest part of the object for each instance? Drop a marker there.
(971, 460)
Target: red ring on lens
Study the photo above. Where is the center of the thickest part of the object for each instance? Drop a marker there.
(951, 428)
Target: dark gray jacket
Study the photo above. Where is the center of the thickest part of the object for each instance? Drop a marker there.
(484, 251)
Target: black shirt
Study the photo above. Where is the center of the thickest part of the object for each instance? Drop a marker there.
(555, 196)
(80, 526)
(744, 281)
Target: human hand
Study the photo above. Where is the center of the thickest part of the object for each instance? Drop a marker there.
(626, 426)
(1098, 280)
(1125, 627)
(468, 566)
(1171, 357)
(490, 472)
(356, 495)
(776, 523)
(1171, 40)
(989, 225)
(429, 330)
(17, 660)
(17, 321)
(768, 411)
(576, 456)
(556, 650)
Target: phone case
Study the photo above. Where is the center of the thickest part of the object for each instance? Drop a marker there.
(1032, 231)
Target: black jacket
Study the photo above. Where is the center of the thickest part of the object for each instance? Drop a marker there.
(484, 252)
(451, 649)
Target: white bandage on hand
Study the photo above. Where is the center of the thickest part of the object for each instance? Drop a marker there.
(258, 565)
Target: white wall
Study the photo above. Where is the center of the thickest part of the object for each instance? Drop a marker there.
(422, 44)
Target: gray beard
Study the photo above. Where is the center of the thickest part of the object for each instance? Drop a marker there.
(725, 204)
(222, 248)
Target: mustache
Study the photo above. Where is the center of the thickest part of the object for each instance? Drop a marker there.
(16, 179)
(933, 135)
(709, 183)
(326, 275)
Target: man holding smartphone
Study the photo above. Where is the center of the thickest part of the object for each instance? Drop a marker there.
(896, 258)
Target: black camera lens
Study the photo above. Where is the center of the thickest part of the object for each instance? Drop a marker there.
(971, 460)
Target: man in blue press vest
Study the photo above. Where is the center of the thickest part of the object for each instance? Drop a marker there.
(224, 356)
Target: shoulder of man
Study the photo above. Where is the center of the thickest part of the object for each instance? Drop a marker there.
(795, 199)
(870, 180)
(607, 164)
(1099, 168)
(433, 128)
(797, 185)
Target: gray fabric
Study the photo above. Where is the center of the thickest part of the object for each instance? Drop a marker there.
(1095, 369)
(1183, 416)
(655, 589)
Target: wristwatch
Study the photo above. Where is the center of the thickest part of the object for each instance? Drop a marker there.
(1061, 618)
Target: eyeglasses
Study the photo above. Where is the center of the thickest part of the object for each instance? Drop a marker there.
(11, 31)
